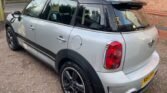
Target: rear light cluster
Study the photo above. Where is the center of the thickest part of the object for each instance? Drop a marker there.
(113, 55)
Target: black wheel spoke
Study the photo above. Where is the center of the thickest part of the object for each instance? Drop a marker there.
(80, 87)
(8, 34)
(74, 76)
(66, 86)
(75, 91)
(68, 76)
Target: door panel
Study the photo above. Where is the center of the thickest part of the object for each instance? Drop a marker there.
(52, 36)
(27, 28)
(54, 27)
(24, 27)
(28, 21)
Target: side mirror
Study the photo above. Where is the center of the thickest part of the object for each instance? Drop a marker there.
(17, 14)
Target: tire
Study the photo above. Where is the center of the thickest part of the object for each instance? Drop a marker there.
(74, 79)
(12, 39)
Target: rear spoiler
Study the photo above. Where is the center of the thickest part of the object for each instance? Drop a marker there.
(128, 4)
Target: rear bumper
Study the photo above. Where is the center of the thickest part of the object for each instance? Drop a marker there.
(119, 82)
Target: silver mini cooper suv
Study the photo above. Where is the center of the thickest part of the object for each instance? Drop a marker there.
(97, 46)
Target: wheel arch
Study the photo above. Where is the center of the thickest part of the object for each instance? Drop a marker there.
(69, 55)
(7, 23)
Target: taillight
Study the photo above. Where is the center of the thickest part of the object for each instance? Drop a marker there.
(113, 55)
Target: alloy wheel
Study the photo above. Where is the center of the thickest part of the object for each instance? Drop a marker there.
(72, 81)
(10, 38)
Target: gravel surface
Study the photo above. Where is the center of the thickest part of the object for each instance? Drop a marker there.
(22, 73)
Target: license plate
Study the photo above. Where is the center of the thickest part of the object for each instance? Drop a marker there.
(147, 79)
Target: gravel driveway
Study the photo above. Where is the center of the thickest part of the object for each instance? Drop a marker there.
(22, 73)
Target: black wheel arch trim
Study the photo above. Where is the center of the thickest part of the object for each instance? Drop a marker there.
(84, 64)
(7, 23)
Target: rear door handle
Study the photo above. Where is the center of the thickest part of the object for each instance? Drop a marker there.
(60, 38)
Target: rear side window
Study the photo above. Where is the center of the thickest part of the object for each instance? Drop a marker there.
(61, 11)
(34, 8)
(91, 16)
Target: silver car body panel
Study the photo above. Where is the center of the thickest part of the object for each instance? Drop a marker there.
(138, 48)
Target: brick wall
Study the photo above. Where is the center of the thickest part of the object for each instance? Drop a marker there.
(157, 12)
(158, 5)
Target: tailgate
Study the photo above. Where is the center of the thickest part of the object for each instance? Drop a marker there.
(140, 45)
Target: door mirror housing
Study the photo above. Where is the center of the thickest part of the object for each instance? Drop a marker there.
(17, 14)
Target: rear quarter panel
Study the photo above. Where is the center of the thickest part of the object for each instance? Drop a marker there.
(138, 51)
(91, 44)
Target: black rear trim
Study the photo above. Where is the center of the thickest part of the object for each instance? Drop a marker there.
(143, 89)
(38, 48)
(84, 64)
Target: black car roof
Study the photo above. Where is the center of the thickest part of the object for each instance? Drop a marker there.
(112, 1)
(90, 1)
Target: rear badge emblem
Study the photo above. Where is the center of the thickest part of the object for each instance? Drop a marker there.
(150, 44)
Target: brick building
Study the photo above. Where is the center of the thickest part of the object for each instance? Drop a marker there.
(158, 5)
(157, 12)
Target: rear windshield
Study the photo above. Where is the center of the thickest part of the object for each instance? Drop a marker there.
(129, 16)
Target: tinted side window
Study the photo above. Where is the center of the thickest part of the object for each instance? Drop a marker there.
(91, 16)
(34, 8)
(62, 12)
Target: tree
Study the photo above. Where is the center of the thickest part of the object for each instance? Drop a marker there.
(1, 10)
